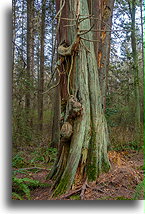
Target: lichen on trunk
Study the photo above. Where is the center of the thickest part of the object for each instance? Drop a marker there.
(87, 146)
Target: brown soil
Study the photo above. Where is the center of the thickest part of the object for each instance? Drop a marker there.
(118, 184)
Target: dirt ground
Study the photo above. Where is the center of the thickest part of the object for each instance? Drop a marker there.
(120, 183)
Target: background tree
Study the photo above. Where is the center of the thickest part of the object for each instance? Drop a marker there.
(41, 74)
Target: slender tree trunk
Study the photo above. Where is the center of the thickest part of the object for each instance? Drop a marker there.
(30, 59)
(84, 135)
(41, 78)
(136, 73)
(13, 42)
(142, 18)
(103, 50)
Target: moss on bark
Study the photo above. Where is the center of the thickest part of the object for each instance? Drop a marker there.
(89, 128)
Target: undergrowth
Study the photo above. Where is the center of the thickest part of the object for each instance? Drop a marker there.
(139, 190)
(21, 187)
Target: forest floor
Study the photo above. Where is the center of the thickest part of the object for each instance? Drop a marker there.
(122, 182)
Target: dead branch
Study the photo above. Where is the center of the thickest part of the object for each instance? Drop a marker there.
(68, 19)
(89, 40)
(59, 12)
(54, 86)
(37, 168)
(83, 19)
(87, 49)
(80, 34)
(69, 25)
(71, 193)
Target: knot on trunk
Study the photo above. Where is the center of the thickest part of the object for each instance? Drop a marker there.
(66, 131)
(74, 107)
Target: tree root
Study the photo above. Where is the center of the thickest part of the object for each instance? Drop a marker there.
(81, 189)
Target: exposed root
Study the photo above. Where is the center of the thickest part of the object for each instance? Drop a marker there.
(81, 189)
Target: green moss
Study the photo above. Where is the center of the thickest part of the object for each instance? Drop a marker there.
(92, 172)
(62, 187)
(105, 166)
(75, 197)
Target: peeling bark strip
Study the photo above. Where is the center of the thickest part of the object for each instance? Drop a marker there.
(84, 156)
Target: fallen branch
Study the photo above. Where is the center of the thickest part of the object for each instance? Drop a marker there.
(31, 168)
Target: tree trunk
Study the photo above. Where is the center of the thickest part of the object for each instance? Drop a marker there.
(84, 135)
(102, 48)
(41, 78)
(13, 42)
(30, 58)
(136, 73)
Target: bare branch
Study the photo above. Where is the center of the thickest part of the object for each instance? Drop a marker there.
(86, 31)
(82, 19)
(59, 12)
(85, 46)
(89, 40)
(54, 86)
(68, 19)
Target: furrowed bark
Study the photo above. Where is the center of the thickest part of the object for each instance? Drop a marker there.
(86, 153)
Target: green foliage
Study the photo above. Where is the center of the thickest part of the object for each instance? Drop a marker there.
(21, 132)
(127, 146)
(18, 161)
(16, 196)
(21, 187)
(121, 198)
(75, 197)
(139, 190)
(113, 198)
(44, 155)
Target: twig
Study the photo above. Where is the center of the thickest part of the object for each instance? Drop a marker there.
(69, 25)
(85, 46)
(68, 19)
(54, 86)
(80, 34)
(71, 193)
(60, 10)
(82, 19)
(104, 30)
(70, 70)
(89, 40)
(30, 169)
